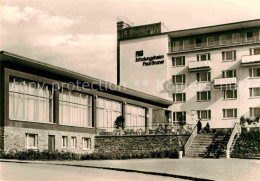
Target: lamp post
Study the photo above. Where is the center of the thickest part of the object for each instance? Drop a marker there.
(192, 115)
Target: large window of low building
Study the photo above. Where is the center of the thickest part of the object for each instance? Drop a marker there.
(254, 92)
(204, 114)
(134, 117)
(254, 72)
(203, 76)
(178, 61)
(229, 55)
(230, 94)
(203, 96)
(229, 73)
(30, 101)
(107, 112)
(254, 51)
(178, 79)
(75, 109)
(179, 116)
(254, 111)
(229, 113)
(179, 97)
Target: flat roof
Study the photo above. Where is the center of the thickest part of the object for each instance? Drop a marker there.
(78, 76)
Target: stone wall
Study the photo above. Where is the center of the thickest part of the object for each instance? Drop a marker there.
(121, 144)
(15, 139)
(1, 139)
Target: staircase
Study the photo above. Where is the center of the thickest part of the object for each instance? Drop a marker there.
(208, 146)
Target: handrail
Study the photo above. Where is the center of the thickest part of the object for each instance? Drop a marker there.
(236, 130)
(191, 139)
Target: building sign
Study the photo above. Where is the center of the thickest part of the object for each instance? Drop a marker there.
(153, 60)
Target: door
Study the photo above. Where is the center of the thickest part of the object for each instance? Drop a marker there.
(51, 143)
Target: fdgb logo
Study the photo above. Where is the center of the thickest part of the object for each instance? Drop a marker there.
(139, 53)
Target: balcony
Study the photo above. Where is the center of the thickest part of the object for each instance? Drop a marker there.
(199, 65)
(204, 45)
(250, 60)
(225, 83)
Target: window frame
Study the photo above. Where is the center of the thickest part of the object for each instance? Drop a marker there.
(208, 114)
(174, 79)
(35, 141)
(224, 55)
(234, 92)
(251, 92)
(225, 113)
(252, 111)
(175, 117)
(199, 96)
(195, 41)
(174, 61)
(247, 37)
(66, 142)
(221, 41)
(73, 144)
(184, 47)
(233, 39)
(213, 42)
(225, 73)
(252, 51)
(251, 73)
(183, 99)
(89, 143)
(199, 57)
(198, 77)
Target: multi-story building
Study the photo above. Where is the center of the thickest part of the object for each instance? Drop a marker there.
(210, 73)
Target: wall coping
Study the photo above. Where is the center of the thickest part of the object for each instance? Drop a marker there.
(121, 136)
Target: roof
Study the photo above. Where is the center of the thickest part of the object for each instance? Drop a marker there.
(215, 28)
(81, 77)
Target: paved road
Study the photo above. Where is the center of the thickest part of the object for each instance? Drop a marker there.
(40, 172)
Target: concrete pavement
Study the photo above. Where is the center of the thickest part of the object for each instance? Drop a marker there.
(208, 169)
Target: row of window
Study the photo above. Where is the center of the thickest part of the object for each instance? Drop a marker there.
(206, 114)
(223, 40)
(226, 56)
(32, 142)
(33, 101)
(206, 95)
(206, 76)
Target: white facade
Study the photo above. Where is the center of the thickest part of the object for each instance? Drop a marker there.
(158, 79)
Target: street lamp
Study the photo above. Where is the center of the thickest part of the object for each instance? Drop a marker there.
(192, 115)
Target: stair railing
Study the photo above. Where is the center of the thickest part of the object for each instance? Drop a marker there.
(191, 139)
(236, 130)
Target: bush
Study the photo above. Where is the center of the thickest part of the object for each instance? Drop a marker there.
(247, 145)
(56, 155)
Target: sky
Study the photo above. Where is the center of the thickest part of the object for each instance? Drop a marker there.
(80, 35)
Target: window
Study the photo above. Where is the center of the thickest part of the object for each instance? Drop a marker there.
(30, 101)
(198, 42)
(75, 109)
(203, 96)
(254, 72)
(179, 117)
(249, 36)
(73, 142)
(86, 143)
(236, 37)
(229, 55)
(223, 39)
(254, 111)
(254, 92)
(176, 46)
(203, 57)
(229, 73)
(178, 61)
(210, 41)
(203, 76)
(254, 51)
(178, 79)
(229, 113)
(64, 142)
(204, 114)
(179, 97)
(186, 44)
(107, 112)
(134, 117)
(230, 94)
(31, 141)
